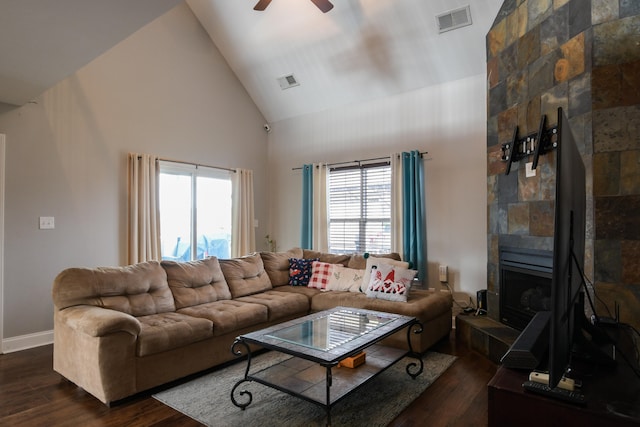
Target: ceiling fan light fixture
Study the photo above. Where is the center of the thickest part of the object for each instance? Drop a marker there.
(324, 5)
(261, 5)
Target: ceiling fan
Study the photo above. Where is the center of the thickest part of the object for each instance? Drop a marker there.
(324, 5)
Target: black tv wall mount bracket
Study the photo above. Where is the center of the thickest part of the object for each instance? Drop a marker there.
(535, 144)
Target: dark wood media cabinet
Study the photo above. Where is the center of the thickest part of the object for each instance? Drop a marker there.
(613, 399)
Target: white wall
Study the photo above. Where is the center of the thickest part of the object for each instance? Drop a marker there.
(165, 90)
(448, 121)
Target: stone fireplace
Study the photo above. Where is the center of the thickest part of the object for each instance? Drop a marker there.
(583, 56)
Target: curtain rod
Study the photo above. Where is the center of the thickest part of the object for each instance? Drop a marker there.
(359, 161)
(197, 165)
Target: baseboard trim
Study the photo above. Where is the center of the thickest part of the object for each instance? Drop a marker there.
(24, 342)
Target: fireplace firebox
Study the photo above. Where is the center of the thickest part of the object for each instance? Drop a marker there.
(525, 284)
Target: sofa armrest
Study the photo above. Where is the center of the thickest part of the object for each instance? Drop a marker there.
(95, 348)
(97, 321)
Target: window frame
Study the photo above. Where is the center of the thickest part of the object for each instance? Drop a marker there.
(363, 218)
(194, 171)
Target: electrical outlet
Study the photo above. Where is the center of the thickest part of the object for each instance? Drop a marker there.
(529, 171)
(443, 273)
(47, 223)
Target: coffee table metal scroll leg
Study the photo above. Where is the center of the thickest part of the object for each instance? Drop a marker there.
(238, 353)
(416, 328)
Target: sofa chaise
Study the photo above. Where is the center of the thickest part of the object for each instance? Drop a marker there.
(122, 330)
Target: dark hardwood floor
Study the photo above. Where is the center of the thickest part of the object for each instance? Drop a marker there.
(32, 394)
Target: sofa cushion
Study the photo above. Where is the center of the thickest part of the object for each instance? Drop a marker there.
(360, 262)
(302, 290)
(320, 275)
(300, 271)
(196, 282)
(245, 275)
(327, 300)
(422, 304)
(139, 289)
(345, 279)
(229, 315)
(326, 257)
(276, 264)
(390, 282)
(280, 304)
(166, 331)
(375, 262)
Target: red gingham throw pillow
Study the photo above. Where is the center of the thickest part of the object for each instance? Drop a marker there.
(320, 275)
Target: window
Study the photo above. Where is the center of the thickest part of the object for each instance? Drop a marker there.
(360, 209)
(195, 206)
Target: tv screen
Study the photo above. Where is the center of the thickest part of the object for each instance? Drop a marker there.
(568, 250)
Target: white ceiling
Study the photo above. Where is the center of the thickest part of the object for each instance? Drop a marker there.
(359, 51)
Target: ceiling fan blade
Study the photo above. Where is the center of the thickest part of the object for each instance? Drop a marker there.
(324, 5)
(261, 5)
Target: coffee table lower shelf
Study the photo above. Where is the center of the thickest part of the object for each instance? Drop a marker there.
(307, 380)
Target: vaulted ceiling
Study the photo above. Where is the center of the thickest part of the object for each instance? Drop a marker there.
(42, 41)
(359, 51)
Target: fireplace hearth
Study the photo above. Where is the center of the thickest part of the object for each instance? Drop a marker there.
(525, 284)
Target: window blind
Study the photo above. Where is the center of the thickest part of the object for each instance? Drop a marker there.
(360, 209)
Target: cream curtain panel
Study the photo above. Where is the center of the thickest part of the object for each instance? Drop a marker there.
(396, 203)
(243, 236)
(144, 216)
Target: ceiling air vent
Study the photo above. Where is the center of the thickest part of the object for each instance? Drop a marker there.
(454, 19)
(287, 82)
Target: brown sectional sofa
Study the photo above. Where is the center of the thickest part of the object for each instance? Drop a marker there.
(122, 330)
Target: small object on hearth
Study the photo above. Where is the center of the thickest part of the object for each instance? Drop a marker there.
(353, 361)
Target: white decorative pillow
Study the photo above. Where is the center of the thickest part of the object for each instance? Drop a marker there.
(374, 262)
(320, 275)
(390, 282)
(345, 279)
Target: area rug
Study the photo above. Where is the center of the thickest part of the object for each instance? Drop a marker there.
(207, 398)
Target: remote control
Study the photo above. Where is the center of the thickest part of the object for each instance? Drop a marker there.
(555, 393)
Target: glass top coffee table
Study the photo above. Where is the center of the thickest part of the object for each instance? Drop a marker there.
(318, 343)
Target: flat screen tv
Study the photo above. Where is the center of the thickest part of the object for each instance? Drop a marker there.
(570, 333)
(568, 251)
